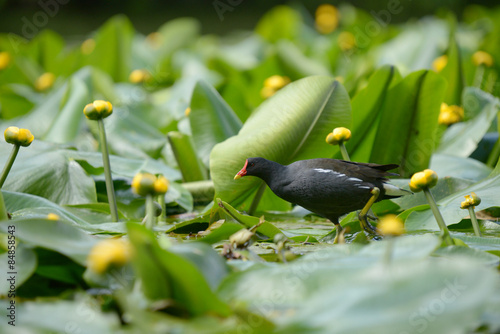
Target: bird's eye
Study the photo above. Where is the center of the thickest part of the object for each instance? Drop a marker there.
(252, 164)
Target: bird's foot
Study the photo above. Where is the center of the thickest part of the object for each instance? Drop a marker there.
(363, 214)
(339, 238)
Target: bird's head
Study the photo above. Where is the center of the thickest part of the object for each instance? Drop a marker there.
(253, 166)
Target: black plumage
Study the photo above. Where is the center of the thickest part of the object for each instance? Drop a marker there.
(328, 187)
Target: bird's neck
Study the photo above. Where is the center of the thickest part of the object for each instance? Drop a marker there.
(274, 171)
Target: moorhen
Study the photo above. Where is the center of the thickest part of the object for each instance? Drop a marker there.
(328, 187)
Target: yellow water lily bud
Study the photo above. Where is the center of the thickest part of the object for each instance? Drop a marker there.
(482, 58)
(241, 239)
(425, 179)
(391, 225)
(144, 184)
(87, 46)
(327, 18)
(187, 111)
(107, 254)
(45, 81)
(471, 200)
(439, 63)
(338, 135)
(14, 135)
(139, 76)
(161, 185)
(273, 84)
(346, 41)
(99, 109)
(5, 60)
(53, 216)
(450, 114)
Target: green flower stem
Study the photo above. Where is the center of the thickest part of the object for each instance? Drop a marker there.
(475, 224)
(494, 154)
(478, 76)
(8, 165)
(343, 150)
(439, 218)
(388, 250)
(163, 215)
(150, 212)
(256, 199)
(3, 210)
(107, 172)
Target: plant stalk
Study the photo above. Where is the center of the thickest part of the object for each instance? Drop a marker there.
(388, 251)
(343, 151)
(439, 218)
(107, 172)
(163, 215)
(257, 198)
(3, 210)
(8, 165)
(494, 154)
(150, 212)
(475, 224)
(478, 76)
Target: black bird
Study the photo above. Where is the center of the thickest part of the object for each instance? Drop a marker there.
(328, 187)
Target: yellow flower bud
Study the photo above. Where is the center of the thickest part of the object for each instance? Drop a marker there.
(161, 185)
(482, 58)
(187, 111)
(99, 109)
(144, 184)
(273, 84)
(45, 81)
(471, 200)
(14, 135)
(425, 179)
(108, 254)
(346, 41)
(139, 76)
(327, 18)
(53, 216)
(450, 114)
(5, 60)
(439, 63)
(391, 225)
(338, 135)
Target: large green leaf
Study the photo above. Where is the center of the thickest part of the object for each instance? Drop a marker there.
(407, 130)
(453, 72)
(350, 282)
(60, 316)
(212, 120)
(24, 265)
(112, 50)
(461, 139)
(66, 125)
(366, 111)
(59, 236)
(290, 126)
(54, 176)
(166, 275)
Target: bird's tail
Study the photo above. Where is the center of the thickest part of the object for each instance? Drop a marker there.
(393, 191)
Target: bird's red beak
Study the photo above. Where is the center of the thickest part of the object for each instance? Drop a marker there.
(242, 172)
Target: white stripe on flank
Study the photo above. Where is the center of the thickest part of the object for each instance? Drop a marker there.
(354, 179)
(321, 170)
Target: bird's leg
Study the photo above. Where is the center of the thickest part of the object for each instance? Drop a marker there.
(364, 212)
(339, 238)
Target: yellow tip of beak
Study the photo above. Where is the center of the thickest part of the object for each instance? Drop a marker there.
(237, 176)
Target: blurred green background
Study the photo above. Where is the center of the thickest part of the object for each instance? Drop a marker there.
(77, 17)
